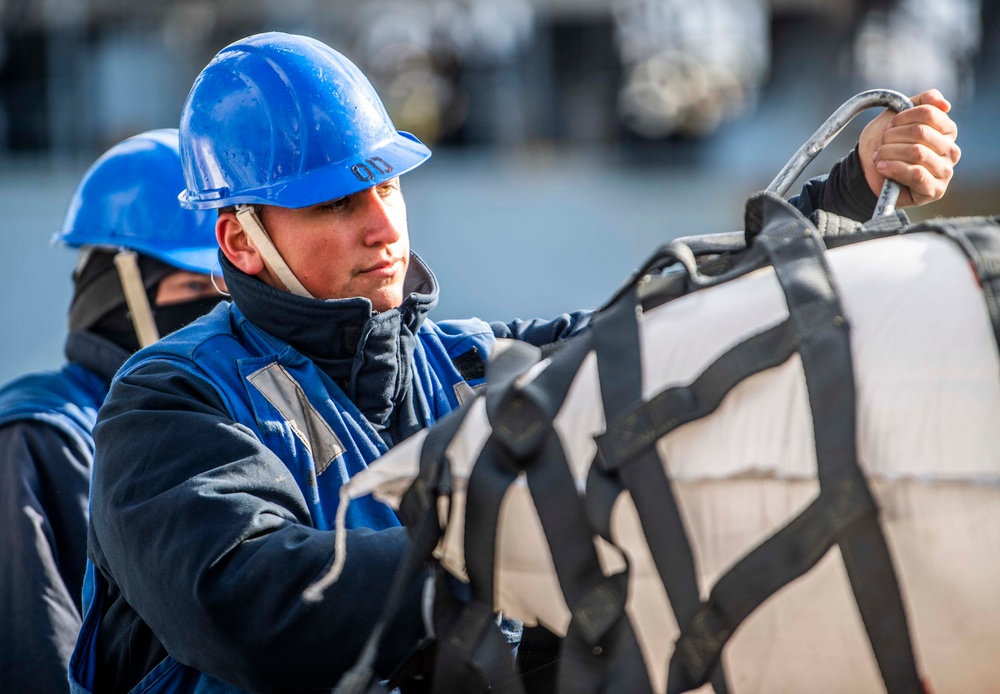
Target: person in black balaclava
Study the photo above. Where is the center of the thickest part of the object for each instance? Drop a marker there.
(145, 269)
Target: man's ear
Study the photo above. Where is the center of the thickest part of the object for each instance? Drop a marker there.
(235, 243)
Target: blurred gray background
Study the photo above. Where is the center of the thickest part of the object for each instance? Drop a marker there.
(570, 137)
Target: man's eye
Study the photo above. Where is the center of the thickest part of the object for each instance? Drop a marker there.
(334, 205)
(388, 188)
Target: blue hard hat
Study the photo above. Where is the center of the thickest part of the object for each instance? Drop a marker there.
(128, 199)
(285, 120)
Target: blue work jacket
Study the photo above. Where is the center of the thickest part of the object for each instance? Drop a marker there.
(294, 409)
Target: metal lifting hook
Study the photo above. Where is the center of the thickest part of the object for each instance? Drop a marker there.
(830, 129)
(686, 250)
(886, 205)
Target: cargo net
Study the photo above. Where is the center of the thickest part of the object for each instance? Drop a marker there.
(771, 464)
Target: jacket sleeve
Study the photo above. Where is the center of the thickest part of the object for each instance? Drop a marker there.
(844, 191)
(209, 540)
(44, 476)
(543, 332)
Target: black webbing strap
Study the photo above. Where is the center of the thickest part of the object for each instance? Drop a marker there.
(889, 224)
(469, 653)
(636, 431)
(433, 479)
(844, 512)
(628, 448)
(418, 510)
(523, 439)
(832, 226)
(468, 657)
(600, 652)
(979, 239)
(780, 559)
(825, 350)
(616, 336)
(473, 656)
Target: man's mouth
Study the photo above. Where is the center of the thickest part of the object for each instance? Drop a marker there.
(383, 268)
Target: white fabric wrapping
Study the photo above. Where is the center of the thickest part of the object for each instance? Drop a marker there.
(928, 385)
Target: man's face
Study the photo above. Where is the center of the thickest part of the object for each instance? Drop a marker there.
(349, 247)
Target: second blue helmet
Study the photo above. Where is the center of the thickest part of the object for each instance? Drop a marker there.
(128, 199)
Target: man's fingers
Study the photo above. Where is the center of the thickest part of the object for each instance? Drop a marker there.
(932, 97)
(919, 134)
(916, 148)
(909, 154)
(927, 115)
(922, 185)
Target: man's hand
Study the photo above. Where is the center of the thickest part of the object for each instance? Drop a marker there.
(916, 148)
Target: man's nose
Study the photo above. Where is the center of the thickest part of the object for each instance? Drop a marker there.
(380, 220)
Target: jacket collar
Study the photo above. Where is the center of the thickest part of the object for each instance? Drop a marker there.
(368, 354)
(95, 353)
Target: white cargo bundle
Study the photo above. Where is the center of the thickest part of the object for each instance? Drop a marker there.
(927, 379)
(771, 464)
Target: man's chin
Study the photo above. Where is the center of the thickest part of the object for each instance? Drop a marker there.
(385, 301)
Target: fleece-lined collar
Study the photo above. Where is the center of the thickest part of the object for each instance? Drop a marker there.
(368, 354)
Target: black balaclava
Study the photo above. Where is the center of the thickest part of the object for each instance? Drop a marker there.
(99, 305)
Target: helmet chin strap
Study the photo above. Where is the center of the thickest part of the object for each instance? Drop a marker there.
(250, 222)
(127, 264)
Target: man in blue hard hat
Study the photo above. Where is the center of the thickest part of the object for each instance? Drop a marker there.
(144, 270)
(222, 448)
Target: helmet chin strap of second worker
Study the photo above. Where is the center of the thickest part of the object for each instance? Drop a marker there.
(127, 264)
